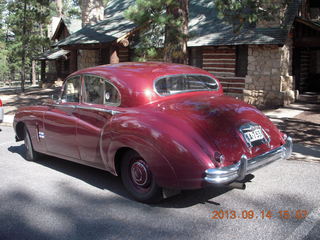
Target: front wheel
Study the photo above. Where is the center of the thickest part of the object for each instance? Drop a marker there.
(31, 154)
(138, 179)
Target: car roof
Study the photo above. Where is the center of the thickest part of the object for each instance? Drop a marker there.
(132, 78)
(148, 71)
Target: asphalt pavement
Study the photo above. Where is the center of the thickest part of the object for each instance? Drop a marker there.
(56, 199)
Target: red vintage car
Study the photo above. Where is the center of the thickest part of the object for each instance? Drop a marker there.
(157, 125)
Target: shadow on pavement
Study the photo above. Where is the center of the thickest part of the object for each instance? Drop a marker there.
(104, 180)
(301, 131)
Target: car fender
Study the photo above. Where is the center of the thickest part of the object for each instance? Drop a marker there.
(173, 155)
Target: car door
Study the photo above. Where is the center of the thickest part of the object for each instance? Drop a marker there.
(60, 123)
(100, 100)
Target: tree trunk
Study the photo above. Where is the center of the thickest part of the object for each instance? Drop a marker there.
(176, 37)
(34, 75)
(43, 71)
(59, 6)
(12, 77)
(92, 11)
(24, 45)
(185, 30)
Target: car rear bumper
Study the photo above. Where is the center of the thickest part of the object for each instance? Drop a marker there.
(245, 166)
(1, 114)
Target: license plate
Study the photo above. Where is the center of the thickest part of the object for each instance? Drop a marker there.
(254, 135)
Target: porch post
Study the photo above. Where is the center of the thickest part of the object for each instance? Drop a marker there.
(73, 60)
(43, 71)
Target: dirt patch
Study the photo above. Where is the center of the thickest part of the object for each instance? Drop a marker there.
(13, 99)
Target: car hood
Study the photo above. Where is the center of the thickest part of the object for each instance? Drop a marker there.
(218, 120)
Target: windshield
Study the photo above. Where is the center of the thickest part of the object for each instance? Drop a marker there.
(174, 84)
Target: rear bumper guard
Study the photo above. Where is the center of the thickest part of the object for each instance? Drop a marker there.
(245, 166)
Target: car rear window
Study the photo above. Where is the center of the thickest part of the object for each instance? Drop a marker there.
(174, 84)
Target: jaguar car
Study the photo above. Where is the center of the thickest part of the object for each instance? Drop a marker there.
(161, 127)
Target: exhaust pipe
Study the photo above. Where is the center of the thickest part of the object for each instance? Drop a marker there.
(238, 185)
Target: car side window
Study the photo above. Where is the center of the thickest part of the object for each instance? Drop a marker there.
(99, 91)
(94, 89)
(72, 89)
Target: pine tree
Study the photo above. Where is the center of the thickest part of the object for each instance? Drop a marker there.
(4, 70)
(248, 12)
(65, 8)
(92, 11)
(164, 23)
(27, 20)
(164, 29)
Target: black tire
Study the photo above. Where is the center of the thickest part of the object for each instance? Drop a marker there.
(31, 154)
(138, 179)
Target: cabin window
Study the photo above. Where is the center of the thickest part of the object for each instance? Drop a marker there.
(99, 91)
(71, 90)
(242, 61)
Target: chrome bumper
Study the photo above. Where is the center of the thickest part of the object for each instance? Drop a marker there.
(245, 166)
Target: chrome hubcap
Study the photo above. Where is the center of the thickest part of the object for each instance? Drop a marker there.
(140, 174)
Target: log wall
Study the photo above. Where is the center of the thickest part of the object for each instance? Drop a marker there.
(221, 62)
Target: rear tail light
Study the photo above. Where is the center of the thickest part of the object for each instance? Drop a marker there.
(0, 103)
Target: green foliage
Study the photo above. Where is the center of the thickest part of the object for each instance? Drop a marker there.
(4, 69)
(157, 22)
(242, 12)
(25, 38)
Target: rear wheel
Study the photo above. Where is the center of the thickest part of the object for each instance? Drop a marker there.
(31, 155)
(138, 179)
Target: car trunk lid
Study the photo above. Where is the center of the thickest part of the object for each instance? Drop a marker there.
(229, 125)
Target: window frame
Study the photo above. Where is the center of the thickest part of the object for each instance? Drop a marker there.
(63, 89)
(105, 80)
(187, 91)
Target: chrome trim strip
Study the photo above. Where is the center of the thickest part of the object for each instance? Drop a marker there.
(64, 105)
(245, 166)
(112, 112)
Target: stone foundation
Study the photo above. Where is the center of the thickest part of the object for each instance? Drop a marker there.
(269, 82)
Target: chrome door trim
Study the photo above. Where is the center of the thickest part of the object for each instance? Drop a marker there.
(64, 105)
(112, 112)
